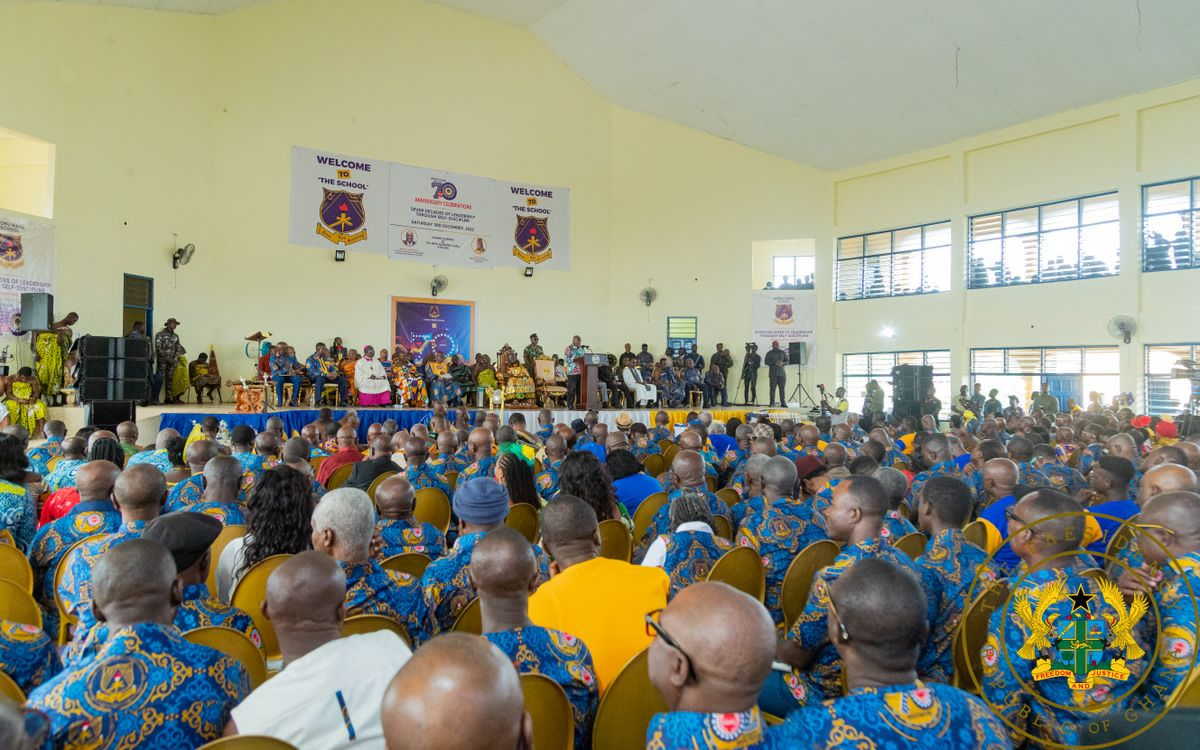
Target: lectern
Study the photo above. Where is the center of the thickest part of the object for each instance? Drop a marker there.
(589, 380)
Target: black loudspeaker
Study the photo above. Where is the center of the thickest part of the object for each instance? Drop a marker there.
(106, 389)
(797, 353)
(37, 311)
(106, 415)
(113, 369)
(911, 382)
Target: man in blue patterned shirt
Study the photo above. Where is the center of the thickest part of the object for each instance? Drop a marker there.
(73, 456)
(27, 655)
(398, 531)
(419, 473)
(285, 369)
(222, 488)
(711, 652)
(18, 511)
(547, 479)
(479, 445)
(936, 460)
(688, 469)
(877, 621)
(503, 570)
(54, 430)
(189, 491)
(323, 370)
(157, 457)
(146, 686)
(448, 459)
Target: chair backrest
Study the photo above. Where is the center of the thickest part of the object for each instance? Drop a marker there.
(413, 563)
(17, 604)
(378, 481)
(912, 544)
(524, 518)
(971, 634)
(976, 533)
(1189, 692)
(236, 644)
(653, 465)
(452, 479)
(316, 462)
(543, 370)
(248, 742)
(14, 566)
(359, 624)
(11, 690)
(339, 477)
(615, 541)
(432, 507)
(669, 454)
(250, 592)
(665, 443)
(723, 527)
(645, 513)
(627, 707)
(65, 619)
(742, 568)
(470, 620)
(799, 577)
(547, 704)
(6, 537)
(227, 535)
(711, 483)
(729, 496)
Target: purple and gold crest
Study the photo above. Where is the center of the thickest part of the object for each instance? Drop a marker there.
(783, 313)
(12, 254)
(342, 217)
(531, 241)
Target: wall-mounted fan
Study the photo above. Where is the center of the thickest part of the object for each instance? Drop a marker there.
(648, 295)
(1122, 327)
(183, 255)
(438, 284)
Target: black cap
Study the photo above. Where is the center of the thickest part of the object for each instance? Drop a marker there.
(187, 535)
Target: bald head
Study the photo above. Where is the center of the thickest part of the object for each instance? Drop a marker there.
(567, 519)
(1180, 513)
(395, 498)
(95, 480)
(688, 468)
(480, 442)
(200, 453)
(266, 443)
(381, 445)
(223, 475)
(134, 582)
(140, 487)
(689, 440)
(1192, 451)
(164, 438)
(74, 447)
(100, 435)
(347, 437)
(835, 455)
(882, 608)
(416, 451)
(1056, 519)
(458, 692)
(1165, 478)
(308, 590)
(556, 447)
(1000, 476)
(296, 449)
(502, 564)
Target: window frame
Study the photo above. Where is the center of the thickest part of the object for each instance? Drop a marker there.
(973, 375)
(1193, 212)
(812, 283)
(686, 343)
(921, 252)
(1148, 377)
(940, 378)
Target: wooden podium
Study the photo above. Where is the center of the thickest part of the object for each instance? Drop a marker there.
(589, 380)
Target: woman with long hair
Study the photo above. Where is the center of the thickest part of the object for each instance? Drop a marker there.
(179, 468)
(17, 513)
(107, 449)
(279, 522)
(583, 476)
(517, 476)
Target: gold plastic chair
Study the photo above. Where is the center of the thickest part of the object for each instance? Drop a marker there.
(17, 604)
(432, 507)
(547, 704)
(452, 479)
(798, 580)
(378, 481)
(316, 462)
(11, 690)
(615, 541)
(339, 477)
(14, 566)
(227, 535)
(972, 632)
(470, 620)
(976, 533)
(235, 644)
(653, 465)
(360, 624)
(524, 518)
(627, 707)
(664, 444)
(723, 528)
(742, 568)
(250, 592)
(912, 544)
(729, 496)
(6, 537)
(669, 454)
(644, 515)
(413, 563)
(248, 742)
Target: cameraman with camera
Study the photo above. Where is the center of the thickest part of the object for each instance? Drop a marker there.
(724, 362)
(750, 375)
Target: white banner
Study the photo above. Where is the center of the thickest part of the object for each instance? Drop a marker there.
(784, 316)
(426, 215)
(26, 261)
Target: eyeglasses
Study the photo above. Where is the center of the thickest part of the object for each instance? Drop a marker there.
(842, 632)
(654, 628)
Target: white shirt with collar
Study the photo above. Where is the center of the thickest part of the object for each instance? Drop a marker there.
(657, 554)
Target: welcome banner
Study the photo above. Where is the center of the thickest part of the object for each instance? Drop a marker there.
(784, 317)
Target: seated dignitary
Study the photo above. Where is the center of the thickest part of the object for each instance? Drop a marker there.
(328, 694)
(458, 692)
(877, 621)
(144, 669)
(711, 652)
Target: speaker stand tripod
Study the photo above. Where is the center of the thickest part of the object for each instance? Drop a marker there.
(800, 394)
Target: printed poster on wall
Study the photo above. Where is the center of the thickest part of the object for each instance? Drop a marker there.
(784, 316)
(427, 215)
(420, 324)
(26, 261)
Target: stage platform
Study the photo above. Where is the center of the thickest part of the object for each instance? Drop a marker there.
(151, 419)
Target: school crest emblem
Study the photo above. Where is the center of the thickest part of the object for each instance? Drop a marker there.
(531, 240)
(12, 253)
(342, 217)
(783, 313)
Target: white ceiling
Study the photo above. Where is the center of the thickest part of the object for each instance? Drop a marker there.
(833, 83)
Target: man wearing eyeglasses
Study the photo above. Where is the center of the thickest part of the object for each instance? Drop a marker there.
(1160, 480)
(711, 651)
(853, 516)
(876, 620)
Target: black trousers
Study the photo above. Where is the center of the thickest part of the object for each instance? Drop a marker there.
(780, 382)
(750, 389)
(572, 390)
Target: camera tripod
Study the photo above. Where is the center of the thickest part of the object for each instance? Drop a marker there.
(800, 394)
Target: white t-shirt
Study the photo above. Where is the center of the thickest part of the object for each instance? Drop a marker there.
(303, 704)
(227, 565)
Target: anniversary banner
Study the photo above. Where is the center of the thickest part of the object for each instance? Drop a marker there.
(427, 215)
(784, 316)
(26, 261)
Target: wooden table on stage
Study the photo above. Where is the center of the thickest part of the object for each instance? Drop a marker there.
(249, 398)
(589, 380)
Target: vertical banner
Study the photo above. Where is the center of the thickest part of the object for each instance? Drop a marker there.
(338, 201)
(784, 316)
(26, 261)
(420, 324)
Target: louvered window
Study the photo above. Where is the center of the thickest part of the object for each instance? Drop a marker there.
(893, 263)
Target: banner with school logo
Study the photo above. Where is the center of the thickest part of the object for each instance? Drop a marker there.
(784, 316)
(427, 215)
(26, 261)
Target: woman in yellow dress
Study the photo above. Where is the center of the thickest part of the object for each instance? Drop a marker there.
(22, 399)
(181, 381)
(518, 386)
(51, 350)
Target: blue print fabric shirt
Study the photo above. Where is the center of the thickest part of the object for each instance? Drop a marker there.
(17, 513)
(944, 469)
(75, 589)
(41, 455)
(146, 687)
(952, 570)
(897, 717)
(185, 493)
(27, 655)
(372, 590)
(229, 514)
(1175, 632)
(51, 545)
(779, 533)
(481, 468)
(157, 458)
(424, 476)
(686, 730)
(402, 535)
(64, 473)
(547, 480)
(200, 609)
(661, 524)
(562, 658)
(690, 555)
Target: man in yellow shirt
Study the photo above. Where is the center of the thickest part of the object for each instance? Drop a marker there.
(602, 602)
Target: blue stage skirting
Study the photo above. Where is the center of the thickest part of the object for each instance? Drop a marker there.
(295, 419)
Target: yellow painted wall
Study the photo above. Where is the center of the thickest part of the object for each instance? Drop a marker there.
(26, 174)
